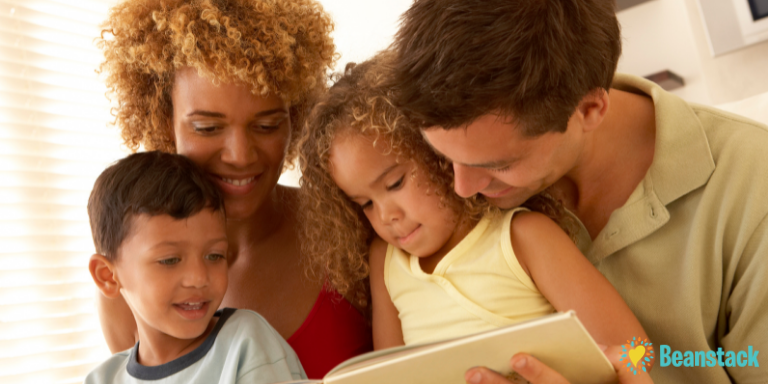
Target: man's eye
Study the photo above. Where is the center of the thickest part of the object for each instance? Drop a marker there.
(397, 184)
(366, 205)
(215, 256)
(170, 261)
(502, 169)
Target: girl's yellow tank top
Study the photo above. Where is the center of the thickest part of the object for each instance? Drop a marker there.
(479, 285)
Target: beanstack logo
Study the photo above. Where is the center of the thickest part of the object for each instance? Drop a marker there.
(638, 355)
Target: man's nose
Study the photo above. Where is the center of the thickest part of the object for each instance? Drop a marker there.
(468, 181)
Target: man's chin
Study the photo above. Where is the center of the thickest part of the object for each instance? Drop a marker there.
(505, 202)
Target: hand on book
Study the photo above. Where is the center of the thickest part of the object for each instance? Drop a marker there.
(536, 372)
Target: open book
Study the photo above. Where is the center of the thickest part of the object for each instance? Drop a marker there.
(558, 340)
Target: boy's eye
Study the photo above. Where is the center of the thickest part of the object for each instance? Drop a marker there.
(215, 256)
(397, 184)
(170, 261)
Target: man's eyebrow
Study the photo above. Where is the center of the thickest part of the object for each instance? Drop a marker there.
(220, 115)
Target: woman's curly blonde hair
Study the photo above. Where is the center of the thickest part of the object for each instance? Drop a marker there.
(280, 47)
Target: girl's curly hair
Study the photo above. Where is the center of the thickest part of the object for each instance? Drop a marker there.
(336, 234)
(280, 47)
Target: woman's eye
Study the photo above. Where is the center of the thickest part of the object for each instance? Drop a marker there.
(170, 261)
(205, 129)
(215, 256)
(397, 184)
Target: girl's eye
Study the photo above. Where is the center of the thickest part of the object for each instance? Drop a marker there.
(215, 256)
(170, 261)
(366, 205)
(397, 184)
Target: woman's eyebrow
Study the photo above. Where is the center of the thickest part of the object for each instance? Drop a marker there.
(219, 114)
(206, 113)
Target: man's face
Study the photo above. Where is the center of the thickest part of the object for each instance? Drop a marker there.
(493, 158)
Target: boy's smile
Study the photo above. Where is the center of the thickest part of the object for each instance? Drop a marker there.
(173, 275)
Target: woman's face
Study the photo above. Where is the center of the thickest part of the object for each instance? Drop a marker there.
(239, 138)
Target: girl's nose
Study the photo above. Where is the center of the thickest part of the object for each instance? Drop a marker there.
(390, 212)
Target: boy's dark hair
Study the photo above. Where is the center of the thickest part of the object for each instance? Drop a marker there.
(528, 60)
(154, 183)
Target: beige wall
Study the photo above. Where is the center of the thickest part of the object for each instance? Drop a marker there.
(670, 34)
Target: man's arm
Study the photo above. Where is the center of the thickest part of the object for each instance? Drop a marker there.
(745, 321)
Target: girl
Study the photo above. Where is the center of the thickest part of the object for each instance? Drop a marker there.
(441, 266)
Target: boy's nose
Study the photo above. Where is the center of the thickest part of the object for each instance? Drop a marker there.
(195, 275)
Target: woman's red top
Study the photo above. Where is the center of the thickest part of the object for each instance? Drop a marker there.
(333, 332)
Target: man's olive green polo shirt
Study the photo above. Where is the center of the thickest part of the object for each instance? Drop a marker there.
(689, 250)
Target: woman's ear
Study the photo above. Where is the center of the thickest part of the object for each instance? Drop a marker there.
(104, 275)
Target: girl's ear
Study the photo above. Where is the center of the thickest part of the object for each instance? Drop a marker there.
(103, 274)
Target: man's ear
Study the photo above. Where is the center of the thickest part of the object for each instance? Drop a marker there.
(593, 107)
(104, 275)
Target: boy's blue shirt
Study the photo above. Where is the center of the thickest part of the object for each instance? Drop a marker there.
(242, 348)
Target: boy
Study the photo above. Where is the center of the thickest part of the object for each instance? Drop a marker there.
(158, 225)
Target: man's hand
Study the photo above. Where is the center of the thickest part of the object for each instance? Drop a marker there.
(536, 372)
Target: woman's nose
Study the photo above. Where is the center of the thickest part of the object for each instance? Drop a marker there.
(239, 150)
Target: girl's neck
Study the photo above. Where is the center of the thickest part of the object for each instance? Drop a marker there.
(463, 227)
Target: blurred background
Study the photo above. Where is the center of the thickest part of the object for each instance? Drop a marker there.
(55, 138)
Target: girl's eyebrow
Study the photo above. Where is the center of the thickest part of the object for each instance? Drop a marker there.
(384, 174)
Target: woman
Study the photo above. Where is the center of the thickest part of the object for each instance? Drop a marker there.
(228, 83)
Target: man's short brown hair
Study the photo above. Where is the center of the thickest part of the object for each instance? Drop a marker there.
(153, 183)
(529, 60)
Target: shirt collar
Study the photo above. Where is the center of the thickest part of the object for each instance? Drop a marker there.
(682, 160)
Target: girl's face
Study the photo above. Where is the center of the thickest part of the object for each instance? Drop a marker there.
(397, 204)
(240, 139)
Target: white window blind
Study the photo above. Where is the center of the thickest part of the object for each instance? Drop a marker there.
(54, 141)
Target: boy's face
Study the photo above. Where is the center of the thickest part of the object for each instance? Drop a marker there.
(173, 273)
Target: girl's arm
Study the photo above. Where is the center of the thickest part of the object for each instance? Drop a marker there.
(569, 281)
(387, 331)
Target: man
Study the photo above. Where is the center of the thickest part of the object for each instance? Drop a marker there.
(671, 197)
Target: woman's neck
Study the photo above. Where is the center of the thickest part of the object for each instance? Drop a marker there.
(263, 224)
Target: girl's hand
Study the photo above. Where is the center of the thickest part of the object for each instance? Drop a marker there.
(536, 372)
